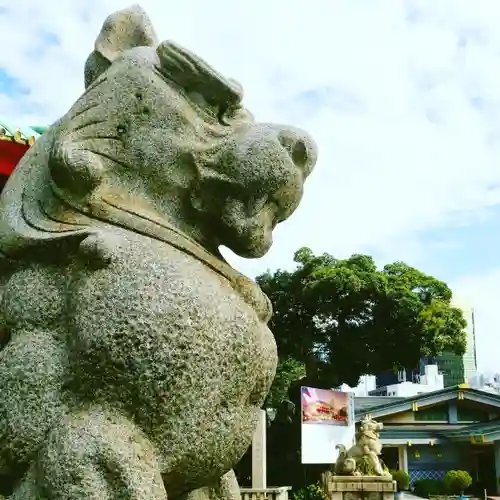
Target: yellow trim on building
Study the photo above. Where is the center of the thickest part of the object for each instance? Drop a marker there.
(478, 439)
(18, 138)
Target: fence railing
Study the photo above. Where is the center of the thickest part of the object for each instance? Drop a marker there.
(279, 493)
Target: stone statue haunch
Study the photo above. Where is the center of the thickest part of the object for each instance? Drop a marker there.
(133, 358)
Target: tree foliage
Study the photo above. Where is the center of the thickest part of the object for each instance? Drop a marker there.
(457, 481)
(288, 371)
(339, 319)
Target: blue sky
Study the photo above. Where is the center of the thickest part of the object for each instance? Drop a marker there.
(472, 248)
(402, 97)
(10, 86)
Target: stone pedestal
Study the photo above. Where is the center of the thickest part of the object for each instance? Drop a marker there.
(358, 487)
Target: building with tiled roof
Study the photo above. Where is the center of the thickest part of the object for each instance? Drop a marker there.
(14, 142)
(428, 434)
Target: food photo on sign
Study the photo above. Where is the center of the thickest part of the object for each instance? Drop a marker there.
(322, 406)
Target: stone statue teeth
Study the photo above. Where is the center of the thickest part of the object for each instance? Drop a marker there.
(117, 310)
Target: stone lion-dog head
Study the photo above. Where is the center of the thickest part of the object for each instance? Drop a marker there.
(177, 147)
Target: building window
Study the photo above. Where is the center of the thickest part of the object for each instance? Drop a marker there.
(433, 413)
(471, 414)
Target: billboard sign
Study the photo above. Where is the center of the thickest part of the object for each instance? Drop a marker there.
(327, 420)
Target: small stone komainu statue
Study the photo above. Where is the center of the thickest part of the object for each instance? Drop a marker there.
(362, 459)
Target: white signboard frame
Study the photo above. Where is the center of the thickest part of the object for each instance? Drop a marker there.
(327, 421)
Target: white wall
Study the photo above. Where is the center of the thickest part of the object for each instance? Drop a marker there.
(430, 381)
(366, 384)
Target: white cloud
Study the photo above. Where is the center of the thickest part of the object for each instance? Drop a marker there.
(404, 101)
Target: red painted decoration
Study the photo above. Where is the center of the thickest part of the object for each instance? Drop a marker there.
(10, 154)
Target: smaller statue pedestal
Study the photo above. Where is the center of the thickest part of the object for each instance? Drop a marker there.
(358, 487)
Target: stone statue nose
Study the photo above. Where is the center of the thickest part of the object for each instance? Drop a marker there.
(300, 147)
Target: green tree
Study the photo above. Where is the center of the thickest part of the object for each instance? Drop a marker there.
(335, 320)
(288, 371)
(339, 319)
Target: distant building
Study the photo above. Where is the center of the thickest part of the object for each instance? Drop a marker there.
(433, 373)
(449, 365)
(391, 377)
(470, 356)
(430, 381)
(429, 434)
(366, 384)
(457, 370)
(485, 382)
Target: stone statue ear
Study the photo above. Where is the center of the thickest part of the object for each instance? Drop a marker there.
(121, 31)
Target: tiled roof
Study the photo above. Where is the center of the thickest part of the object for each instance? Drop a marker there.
(14, 142)
(491, 427)
(390, 404)
(365, 403)
(21, 135)
(480, 432)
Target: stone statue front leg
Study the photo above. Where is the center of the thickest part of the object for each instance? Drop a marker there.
(376, 465)
(94, 455)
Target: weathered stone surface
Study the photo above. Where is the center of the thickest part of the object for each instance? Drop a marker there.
(358, 487)
(133, 358)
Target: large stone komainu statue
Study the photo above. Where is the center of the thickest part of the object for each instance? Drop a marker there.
(133, 358)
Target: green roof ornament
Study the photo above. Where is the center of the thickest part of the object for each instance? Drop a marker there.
(39, 129)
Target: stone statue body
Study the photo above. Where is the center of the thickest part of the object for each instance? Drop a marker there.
(133, 358)
(362, 459)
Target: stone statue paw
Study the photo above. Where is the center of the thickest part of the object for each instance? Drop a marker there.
(94, 455)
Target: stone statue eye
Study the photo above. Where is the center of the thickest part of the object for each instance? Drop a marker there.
(233, 110)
